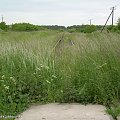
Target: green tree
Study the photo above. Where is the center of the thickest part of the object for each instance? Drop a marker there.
(24, 27)
(3, 26)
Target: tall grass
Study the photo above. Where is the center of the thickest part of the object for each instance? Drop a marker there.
(36, 68)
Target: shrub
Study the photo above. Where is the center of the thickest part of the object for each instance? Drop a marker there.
(3, 26)
(24, 27)
(72, 30)
(90, 29)
(82, 28)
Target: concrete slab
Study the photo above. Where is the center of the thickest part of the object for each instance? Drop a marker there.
(65, 112)
(118, 118)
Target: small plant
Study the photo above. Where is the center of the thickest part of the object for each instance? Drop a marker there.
(114, 111)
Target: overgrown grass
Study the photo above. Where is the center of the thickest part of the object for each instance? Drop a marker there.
(36, 68)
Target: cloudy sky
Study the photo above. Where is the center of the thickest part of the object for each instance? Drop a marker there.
(60, 12)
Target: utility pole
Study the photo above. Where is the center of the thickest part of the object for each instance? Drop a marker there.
(90, 21)
(2, 18)
(113, 8)
(111, 14)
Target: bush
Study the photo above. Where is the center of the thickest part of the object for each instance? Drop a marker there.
(90, 29)
(3, 26)
(82, 28)
(72, 30)
(24, 27)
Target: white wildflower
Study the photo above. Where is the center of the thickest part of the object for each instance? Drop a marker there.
(102, 65)
(38, 69)
(2, 81)
(48, 82)
(6, 87)
(12, 78)
(3, 77)
(53, 76)
(41, 66)
(61, 91)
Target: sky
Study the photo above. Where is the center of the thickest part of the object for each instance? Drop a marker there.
(58, 12)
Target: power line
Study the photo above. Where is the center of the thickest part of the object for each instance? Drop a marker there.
(111, 14)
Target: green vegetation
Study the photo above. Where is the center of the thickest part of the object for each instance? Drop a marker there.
(114, 111)
(71, 29)
(118, 24)
(83, 28)
(3, 26)
(49, 66)
(24, 27)
(7, 119)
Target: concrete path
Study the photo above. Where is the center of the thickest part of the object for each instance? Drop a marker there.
(118, 118)
(65, 112)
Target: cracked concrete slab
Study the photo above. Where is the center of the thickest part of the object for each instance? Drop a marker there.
(58, 111)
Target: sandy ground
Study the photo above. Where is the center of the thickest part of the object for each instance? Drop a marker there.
(65, 112)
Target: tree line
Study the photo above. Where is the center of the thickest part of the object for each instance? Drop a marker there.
(75, 28)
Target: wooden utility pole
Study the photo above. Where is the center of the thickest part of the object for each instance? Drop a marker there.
(112, 13)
